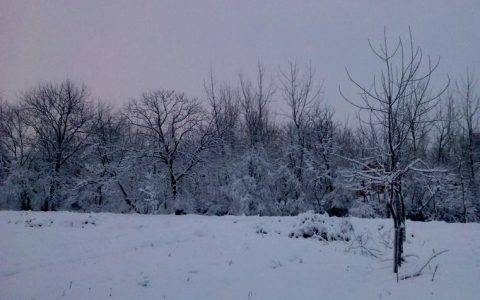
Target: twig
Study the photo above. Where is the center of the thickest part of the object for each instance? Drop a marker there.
(434, 272)
(419, 272)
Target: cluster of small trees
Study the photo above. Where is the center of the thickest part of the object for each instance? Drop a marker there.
(413, 153)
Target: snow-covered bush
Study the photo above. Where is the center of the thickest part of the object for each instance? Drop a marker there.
(250, 188)
(322, 227)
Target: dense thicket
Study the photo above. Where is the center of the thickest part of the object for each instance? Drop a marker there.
(265, 146)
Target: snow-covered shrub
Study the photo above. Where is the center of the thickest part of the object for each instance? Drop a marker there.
(322, 227)
(250, 187)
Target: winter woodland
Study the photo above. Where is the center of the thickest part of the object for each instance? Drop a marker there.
(411, 152)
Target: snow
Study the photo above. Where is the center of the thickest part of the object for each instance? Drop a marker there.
(62, 255)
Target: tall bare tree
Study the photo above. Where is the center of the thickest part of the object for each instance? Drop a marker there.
(469, 118)
(301, 93)
(59, 115)
(395, 103)
(225, 110)
(255, 99)
(469, 122)
(176, 127)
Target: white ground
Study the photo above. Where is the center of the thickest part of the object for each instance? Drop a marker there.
(105, 256)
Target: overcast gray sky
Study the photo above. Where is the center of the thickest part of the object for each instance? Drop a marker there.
(121, 48)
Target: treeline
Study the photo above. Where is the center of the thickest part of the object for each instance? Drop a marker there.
(415, 139)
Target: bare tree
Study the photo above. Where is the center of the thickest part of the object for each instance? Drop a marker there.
(225, 110)
(395, 103)
(469, 119)
(469, 122)
(15, 148)
(59, 115)
(177, 129)
(254, 100)
(300, 92)
(109, 147)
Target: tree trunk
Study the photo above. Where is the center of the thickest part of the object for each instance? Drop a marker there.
(395, 209)
(126, 198)
(173, 187)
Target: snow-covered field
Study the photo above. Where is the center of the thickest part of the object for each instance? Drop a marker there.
(102, 256)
